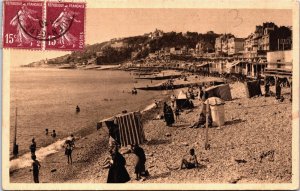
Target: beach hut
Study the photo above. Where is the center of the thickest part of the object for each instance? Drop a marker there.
(253, 88)
(126, 129)
(182, 101)
(217, 110)
(221, 91)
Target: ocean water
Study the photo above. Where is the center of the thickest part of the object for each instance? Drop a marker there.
(47, 98)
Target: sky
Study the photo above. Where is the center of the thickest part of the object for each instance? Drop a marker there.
(105, 24)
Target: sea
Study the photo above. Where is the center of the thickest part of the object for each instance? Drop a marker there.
(46, 98)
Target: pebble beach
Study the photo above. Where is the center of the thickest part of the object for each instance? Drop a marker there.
(254, 146)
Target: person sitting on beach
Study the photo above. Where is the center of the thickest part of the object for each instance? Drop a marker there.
(190, 162)
(158, 116)
(53, 134)
(202, 118)
(35, 168)
(33, 147)
(108, 160)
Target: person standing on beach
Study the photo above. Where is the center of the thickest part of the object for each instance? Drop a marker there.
(68, 151)
(169, 116)
(117, 172)
(173, 99)
(33, 147)
(47, 132)
(140, 168)
(35, 168)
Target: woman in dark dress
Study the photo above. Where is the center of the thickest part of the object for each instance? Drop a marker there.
(169, 116)
(117, 172)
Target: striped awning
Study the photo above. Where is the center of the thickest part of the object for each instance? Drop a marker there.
(130, 128)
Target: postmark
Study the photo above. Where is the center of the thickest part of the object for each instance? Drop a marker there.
(21, 23)
(58, 27)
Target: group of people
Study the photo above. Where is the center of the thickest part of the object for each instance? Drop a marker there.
(53, 134)
(35, 164)
(169, 85)
(117, 171)
(134, 91)
(69, 145)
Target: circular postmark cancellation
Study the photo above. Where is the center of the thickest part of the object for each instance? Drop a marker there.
(39, 33)
(60, 24)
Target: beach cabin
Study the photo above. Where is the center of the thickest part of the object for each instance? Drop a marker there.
(280, 64)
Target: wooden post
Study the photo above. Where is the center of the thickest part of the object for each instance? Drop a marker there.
(206, 124)
(16, 147)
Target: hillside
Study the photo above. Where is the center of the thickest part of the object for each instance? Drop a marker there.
(120, 50)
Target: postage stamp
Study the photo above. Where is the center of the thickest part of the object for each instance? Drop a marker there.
(22, 24)
(58, 27)
(65, 26)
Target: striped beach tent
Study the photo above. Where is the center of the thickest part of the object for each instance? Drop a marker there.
(130, 128)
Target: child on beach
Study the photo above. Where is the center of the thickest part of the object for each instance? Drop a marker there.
(47, 131)
(35, 168)
(177, 113)
(190, 162)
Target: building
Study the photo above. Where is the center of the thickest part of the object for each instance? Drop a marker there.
(235, 45)
(156, 34)
(202, 47)
(267, 37)
(175, 50)
(118, 44)
(218, 45)
(280, 59)
(221, 44)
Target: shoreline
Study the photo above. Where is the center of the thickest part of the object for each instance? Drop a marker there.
(234, 141)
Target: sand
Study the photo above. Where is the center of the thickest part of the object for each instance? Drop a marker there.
(241, 150)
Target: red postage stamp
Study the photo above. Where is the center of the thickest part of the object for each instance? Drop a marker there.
(22, 24)
(65, 28)
(58, 27)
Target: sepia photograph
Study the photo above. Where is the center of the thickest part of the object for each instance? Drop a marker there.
(174, 97)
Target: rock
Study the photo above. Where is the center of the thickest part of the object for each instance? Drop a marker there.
(53, 170)
(233, 180)
(149, 155)
(168, 134)
(184, 144)
(239, 161)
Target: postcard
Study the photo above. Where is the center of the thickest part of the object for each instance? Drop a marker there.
(140, 95)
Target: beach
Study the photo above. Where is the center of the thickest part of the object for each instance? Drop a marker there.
(239, 150)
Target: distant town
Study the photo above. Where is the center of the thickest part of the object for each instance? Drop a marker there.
(268, 44)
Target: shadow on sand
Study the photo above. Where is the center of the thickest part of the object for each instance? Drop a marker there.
(158, 142)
